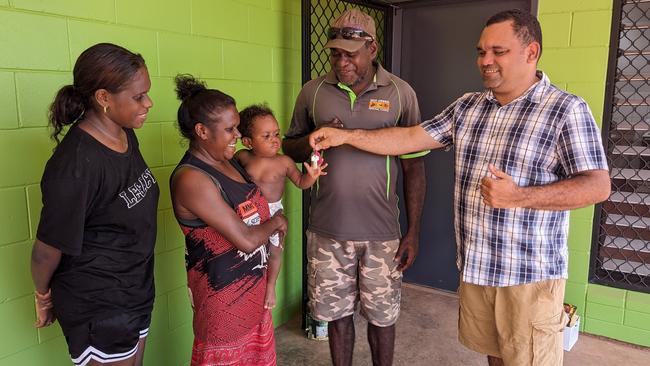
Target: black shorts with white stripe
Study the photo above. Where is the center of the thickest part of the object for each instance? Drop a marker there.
(107, 340)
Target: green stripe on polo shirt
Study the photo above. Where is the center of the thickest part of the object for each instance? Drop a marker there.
(414, 155)
(351, 94)
(313, 107)
(387, 177)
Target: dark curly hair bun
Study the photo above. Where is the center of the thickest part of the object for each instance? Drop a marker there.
(188, 86)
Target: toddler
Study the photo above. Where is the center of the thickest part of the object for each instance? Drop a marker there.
(268, 169)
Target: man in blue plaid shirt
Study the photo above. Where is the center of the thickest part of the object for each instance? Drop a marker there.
(526, 153)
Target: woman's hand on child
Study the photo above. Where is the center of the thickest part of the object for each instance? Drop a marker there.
(282, 222)
(281, 241)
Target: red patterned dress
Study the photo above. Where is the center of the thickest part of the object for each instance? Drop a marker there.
(227, 286)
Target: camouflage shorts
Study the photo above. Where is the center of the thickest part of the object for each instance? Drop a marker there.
(334, 267)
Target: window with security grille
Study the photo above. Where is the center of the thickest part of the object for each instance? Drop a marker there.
(622, 237)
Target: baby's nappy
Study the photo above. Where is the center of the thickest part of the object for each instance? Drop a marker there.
(273, 208)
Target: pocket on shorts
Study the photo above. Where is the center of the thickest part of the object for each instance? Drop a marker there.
(311, 266)
(547, 350)
(312, 271)
(549, 291)
(395, 274)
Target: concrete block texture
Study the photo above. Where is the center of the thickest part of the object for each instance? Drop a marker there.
(8, 108)
(233, 45)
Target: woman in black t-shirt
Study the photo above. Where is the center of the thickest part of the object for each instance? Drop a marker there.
(92, 262)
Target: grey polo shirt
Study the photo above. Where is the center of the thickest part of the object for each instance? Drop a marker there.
(356, 200)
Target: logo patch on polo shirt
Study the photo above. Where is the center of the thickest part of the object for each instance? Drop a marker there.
(379, 105)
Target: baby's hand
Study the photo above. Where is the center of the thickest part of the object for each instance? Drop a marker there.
(315, 171)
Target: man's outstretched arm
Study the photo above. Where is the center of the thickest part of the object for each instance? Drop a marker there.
(384, 141)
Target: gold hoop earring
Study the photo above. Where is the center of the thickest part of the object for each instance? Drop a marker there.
(105, 109)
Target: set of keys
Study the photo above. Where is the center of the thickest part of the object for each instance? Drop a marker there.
(316, 159)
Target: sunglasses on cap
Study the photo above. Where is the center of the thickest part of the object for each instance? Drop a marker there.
(349, 33)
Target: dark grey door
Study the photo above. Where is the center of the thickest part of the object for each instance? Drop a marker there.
(435, 51)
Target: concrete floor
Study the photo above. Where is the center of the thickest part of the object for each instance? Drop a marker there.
(426, 334)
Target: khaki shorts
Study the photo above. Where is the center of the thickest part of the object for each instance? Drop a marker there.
(521, 324)
(334, 267)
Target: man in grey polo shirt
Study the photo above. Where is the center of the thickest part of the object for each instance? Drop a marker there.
(354, 230)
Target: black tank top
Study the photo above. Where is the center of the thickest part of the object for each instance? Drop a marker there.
(227, 286)
(233, 192)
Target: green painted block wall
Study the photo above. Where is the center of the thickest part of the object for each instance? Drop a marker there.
(576, 48)
(249, 49)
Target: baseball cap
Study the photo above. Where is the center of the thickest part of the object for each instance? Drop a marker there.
(351, 30)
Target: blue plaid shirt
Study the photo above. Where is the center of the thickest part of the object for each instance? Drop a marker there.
(543, 136)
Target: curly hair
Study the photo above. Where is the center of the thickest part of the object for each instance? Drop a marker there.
(248, 115)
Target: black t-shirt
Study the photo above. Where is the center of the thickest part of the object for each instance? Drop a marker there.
(99, 209)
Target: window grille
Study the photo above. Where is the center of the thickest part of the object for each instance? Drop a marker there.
(621, 255)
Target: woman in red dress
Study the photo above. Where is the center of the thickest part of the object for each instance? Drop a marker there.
(226, 223)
